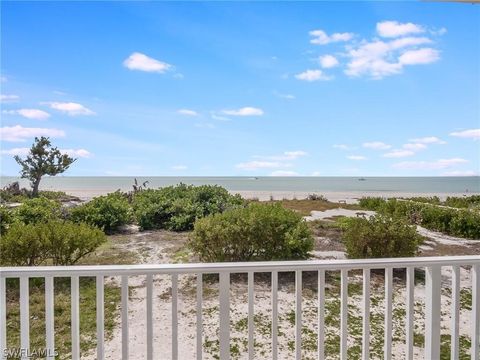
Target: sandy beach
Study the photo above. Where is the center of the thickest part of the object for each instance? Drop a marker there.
(350, 197)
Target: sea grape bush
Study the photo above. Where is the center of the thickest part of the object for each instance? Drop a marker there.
(105, 212)
(52, 242)
(379, 236)
(177, 207)
(257, 232)
(37, 210)
(457, 222)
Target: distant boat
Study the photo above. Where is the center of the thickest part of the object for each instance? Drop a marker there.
(362, 179)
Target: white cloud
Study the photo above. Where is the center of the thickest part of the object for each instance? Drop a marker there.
(142, 62)
(415, 146)
(70, 108)
(320, 37)
(245, 111)
(398, 153)
(179, 167)
(284, 173)
(313, 75)
(394, 29)
(187, 112)
(19, 133)
(429, 165)
(253, 165)
(356, 157)
(328, 61)
(341, 146)
(9, 98)
(419, 56)
(82, 153)
(461, 173)
(376, 145)
(16, 151)
(316, 173)
(378, 58)
(471, 134)
(428, 140)
(34, 114)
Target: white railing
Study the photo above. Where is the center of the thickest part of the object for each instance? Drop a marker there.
(432, 265)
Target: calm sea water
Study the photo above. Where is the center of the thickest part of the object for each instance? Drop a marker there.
(304, 184)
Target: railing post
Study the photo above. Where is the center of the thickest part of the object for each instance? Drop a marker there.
(49, 318)
(476, 312)
(24, 315)
(3, 318)
(224, 315)
(432, 311)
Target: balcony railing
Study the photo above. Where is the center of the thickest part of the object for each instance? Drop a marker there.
(433, 282)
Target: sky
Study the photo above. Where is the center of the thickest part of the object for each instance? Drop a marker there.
(243, 88)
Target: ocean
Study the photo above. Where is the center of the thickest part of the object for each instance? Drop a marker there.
(427, 185)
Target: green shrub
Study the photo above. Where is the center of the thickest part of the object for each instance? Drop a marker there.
(38, 210)
(371, 203)
(105, 212)
(59, 243)
(258, 232)
(379, 237)
(6, 219)
(177, 207)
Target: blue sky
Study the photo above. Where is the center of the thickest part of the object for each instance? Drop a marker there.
(325, 88)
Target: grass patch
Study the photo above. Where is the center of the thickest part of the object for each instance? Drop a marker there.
(305, 206)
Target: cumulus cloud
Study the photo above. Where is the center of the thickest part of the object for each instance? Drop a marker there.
(468, 134)
(429, 165)
(142, 62)
(320, 37)
(391, 29)
(356, 157)
(376, 145)
(19, 133)
(284, 173)
(415, 146)
(313, 75)
(9, 98)
(428, 140)
(245, 111)
(284, 96)
(379, 58)
(187, 112)
(398, 153)
(70, 108)
(328, 61)
(81, 153)
(34, 114)
(420, 56)
(287, 155)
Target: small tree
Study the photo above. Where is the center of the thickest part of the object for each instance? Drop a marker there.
(43, 159)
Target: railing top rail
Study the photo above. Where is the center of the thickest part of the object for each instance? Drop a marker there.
(235, 267)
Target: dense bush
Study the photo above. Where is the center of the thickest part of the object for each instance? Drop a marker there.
(463, 202)
(38, 210)
(258, 232)
(379, 237)
(59, 243)
(456, 222)
(177, 207)
(105, 212)
(371, 203)
(6, 219)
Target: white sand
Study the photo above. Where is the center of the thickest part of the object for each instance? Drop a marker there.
(350, 197)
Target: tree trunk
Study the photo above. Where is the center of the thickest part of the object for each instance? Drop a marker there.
(35, 185)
